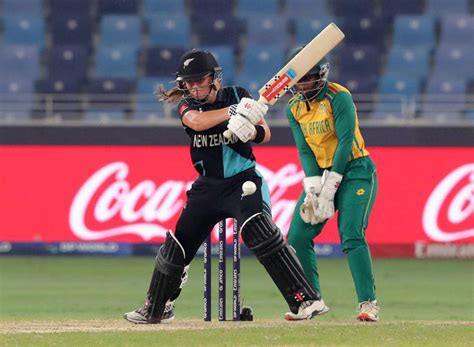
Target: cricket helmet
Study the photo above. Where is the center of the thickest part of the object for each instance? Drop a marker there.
(196, 64)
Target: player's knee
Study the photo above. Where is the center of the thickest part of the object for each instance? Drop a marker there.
(352, 244)
(262, 236)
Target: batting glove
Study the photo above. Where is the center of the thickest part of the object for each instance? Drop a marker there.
(312, 187)
(251, 109)
(331, 181)
(242, 128)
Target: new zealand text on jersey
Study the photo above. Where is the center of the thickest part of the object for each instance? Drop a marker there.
(212, 140)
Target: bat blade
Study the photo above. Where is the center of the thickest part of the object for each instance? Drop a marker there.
(297, 67)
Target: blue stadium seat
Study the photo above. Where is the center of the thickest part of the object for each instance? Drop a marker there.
(357, 85)
(147, 106)
(71, 29)
(401, 86)
(262, 62)
(19, 62)
(354, 8)
(444, 99)
(171, 31)
(457, 30)
(112, 94)
(163, 7)
(117, 7)
(22, 7)
(68, 7)
(67, 62)
(359, 61)
(215, 31)
(412, 31)
(120, 30)
(365, 30)
(268, 31)
(443, 7)
(162, 61)
(210, 8)
(23, 30)
(251, 83)
(408, 62)
(306, 28)
(454, 61)
(392, 8)
(226, 58)
(120, 61)
(299, 9)
(252, 7)
(16, 98)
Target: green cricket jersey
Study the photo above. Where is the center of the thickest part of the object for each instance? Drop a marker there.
(326, 130)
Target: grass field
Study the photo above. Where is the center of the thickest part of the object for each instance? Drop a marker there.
(57, 301)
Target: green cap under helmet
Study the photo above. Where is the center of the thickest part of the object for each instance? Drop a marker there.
(316, 68)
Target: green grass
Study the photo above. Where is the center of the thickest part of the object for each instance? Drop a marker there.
(43, 289)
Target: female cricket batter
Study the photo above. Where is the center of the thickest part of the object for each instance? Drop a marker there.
(339, 175)
(207, 110)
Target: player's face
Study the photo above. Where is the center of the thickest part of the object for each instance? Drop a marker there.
(307, 83)
(199, 89)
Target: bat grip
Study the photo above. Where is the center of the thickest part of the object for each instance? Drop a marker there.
(228, 132)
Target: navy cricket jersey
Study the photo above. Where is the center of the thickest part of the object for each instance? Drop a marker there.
(214, 155)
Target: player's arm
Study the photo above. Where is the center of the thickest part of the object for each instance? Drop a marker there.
(199, 121)
(344, 122)
(307, 158)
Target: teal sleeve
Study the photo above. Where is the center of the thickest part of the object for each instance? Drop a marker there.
(344, 114)
(307, 158)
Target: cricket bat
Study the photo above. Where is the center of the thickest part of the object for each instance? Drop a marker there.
(297, 67)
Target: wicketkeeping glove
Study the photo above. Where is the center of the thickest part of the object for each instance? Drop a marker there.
(251, 109)
(241, 127)
(331, 182)
(312, 187)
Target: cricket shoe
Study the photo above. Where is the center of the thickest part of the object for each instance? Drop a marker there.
(368, 311)
(141, 315)
(308, 309)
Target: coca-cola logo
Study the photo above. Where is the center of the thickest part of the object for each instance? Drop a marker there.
(146, 208)
(451, 206)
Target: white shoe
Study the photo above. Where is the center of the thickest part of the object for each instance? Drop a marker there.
(308, 310)
(141, 315)
(368, 311)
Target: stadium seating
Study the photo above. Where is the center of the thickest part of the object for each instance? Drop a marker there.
(401, 52)
(170, 31)
(104, 116)
(67, 62)
(163, 7)
(263, 7)
(147, 106)
(119, 61)
(120, 30)
(444, 99)
(299, 9)
(23, 30)
(436, 7)
(268, 31)
(117, 7)
(22, 8)
(218, 30)
(16, 98)
(162, 61)
(72, 29)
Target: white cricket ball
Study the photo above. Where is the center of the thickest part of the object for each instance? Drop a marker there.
(248, 188)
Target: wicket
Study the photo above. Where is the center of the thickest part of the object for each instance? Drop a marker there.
(236, 315)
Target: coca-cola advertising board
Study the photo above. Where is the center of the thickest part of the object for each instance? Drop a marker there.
(133, 194)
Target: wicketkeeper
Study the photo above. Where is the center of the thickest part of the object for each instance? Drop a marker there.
(339, 176)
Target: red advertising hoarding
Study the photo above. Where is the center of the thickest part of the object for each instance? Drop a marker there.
(135, 193)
